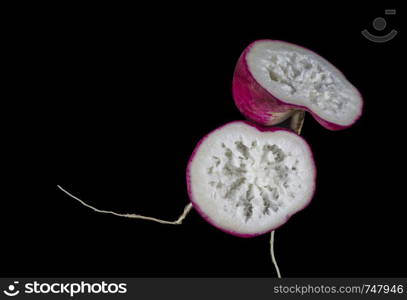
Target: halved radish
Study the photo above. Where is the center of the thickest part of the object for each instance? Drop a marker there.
(274, 78)
(248, 180)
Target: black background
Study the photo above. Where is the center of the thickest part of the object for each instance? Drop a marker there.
(109, 103)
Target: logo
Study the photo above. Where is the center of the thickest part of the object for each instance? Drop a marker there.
(379, 24)
(12, 291)
(68, 288)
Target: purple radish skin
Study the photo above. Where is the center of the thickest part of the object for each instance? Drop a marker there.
(248, 180)
(273, 78)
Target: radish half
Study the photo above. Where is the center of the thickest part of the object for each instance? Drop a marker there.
(274, 78)
(248, 180)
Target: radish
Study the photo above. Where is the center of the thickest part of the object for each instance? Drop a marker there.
(273, 79)
(247, 180)
(274, 179)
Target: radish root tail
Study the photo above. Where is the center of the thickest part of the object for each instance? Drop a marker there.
(273, 258)
(187, 209)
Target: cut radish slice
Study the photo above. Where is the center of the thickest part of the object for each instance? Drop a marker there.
(274, 78)
(247, 180)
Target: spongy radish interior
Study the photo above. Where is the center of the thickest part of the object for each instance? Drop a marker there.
(299, 76)
(249, 181)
